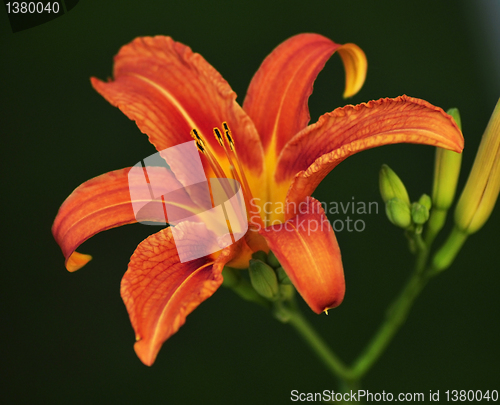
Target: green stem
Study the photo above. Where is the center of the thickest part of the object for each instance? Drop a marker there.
(395, 317)
(422, 253)
(318, 345)
(445, 256)
(435, 224)
(287, 311)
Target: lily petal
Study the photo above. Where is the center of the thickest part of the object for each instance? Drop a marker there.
(104, 202)
(168, 90)
(307, 249)
(159, 291)
(282, 85)
(315, 151)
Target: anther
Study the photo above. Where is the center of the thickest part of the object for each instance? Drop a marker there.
(218, 136)
(228, 135)
(205, 149)
(200, 147)
(194, 134)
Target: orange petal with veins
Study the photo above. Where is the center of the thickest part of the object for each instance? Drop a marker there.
(168, 90)
(316, 150)
(277, 96)
(307, 249)
(103, 203)
(159, 291)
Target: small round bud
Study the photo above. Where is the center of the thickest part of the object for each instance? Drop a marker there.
(260, 255)
(282, 276)
(426, 201)
(398, 213)
(272, 260)
(419, 213)
(391, 186)
(263, 279)
(230, 276)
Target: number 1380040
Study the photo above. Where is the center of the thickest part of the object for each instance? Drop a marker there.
(32, 7)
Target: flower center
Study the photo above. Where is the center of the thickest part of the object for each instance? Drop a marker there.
(237, 172)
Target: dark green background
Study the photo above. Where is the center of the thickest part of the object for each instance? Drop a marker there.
(66, 338)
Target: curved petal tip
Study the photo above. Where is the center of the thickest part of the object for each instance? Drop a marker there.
(76, 261)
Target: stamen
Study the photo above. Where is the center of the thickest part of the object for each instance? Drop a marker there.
(246, 188)
(220, 139)
(228, 136)
(200, 148)
(219, 172)
(197, 137)
(218, 136)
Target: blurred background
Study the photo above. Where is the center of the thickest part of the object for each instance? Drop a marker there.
(67, 337)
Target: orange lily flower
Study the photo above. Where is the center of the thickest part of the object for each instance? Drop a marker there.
(169, 90)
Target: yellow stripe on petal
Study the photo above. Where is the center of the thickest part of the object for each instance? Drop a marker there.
(160, 291)
(277, 97)
(307, 249)
(314, 152)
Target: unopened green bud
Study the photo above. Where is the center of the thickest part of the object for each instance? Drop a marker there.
(426, 201)
(282, 276)
(419, 213)
(272, 260)
(260, 255)
(391, 186)
(455, 114)
(398, 213)
(230, 276)
(263, 279)
(446, 171)
(287, 291)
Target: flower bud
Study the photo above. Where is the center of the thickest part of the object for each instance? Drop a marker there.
(231, 277)
(446, 171)
(419, 213)
(398, 213)
(282, 276)
(483, 185)
(426, 201)
(272, 260)
(391, 186)
(260, 255)
(287, 291)
(263, 279)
